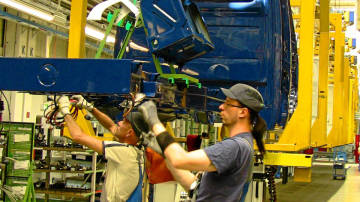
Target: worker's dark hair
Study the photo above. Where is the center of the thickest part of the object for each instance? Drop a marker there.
(259, 128)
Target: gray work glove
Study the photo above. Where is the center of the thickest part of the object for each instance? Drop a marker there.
(149, 111)
(82, 103)
(150, 141)
(64, 105)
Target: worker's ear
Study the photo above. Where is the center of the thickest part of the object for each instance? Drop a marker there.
(131, 132)
(243, 112)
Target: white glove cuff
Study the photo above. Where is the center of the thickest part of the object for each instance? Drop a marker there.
(90, 107)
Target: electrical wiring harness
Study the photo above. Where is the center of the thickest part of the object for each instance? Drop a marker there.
(54, 117)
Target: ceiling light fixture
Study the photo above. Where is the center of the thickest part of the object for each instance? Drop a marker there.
(28, 9)
(97, 34)
(89, 30)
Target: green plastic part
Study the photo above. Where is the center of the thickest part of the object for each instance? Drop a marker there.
(186, 81)
(109, 16)
(171, 80)
(128, 26)
(120, 22)
(199, 85)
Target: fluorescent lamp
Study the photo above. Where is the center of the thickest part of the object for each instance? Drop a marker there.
(138, 47)
(97, 34)
(27, 9)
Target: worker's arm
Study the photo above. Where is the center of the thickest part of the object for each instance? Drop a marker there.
(174, 153)
(104, 120)
(75, 131)
(80, 137)
(184, 177)
(195, 160)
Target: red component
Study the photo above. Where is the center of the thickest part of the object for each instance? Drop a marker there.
(309, 151)
(27, 114)
(193, 142)
(322, 149)
(356, 151)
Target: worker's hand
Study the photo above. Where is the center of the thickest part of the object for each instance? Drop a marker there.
(150, 141)
(149, 111)
(82, 103)
(63, 104)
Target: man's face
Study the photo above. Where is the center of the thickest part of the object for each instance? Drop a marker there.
(229, 111)
(123, 129)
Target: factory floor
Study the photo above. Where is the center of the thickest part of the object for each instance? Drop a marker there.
(322, 187)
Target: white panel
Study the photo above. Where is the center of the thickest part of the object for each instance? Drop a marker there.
(253, 195)
(16, 106)
(164, 192)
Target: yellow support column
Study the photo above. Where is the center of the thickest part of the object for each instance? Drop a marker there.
(355, 100)
(296, 135)
(352, 95)
(356, 89)
(351, 116)
(337, 119)
(319, 128)
(76, 46)
(345, 130)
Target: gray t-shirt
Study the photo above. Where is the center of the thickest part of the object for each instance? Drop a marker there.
(232, 158)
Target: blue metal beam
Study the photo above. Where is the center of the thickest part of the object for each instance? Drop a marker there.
(98, 76)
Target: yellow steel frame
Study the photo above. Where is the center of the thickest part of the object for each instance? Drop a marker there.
(355, 98)
(319, 128)
(302, 174)
(86, 127)
(288, 159)
(346, 133)
(76, 46)
(337, 119)
(351, 115)
(353, 101)
(76, 49)
(296, 135)
(295, 3)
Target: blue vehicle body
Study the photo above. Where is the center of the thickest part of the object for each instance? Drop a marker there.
(254, 44)
(251, 41)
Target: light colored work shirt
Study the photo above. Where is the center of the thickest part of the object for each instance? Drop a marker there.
(122, 171)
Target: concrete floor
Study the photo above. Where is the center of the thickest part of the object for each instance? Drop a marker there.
(323, 187)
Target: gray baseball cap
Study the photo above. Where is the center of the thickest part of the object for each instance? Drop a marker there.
(246, 95)
(137, 122)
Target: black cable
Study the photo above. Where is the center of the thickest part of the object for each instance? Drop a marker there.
(47, 109)
(52, 111)
(7, 102)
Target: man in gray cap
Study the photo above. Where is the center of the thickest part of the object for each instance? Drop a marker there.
(124, 158)
(228, 163)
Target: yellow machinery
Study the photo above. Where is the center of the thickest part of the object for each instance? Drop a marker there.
(353, 100)
(337, 118)
(319, 128)
(86, 127)
(295, 138)
(339, 132)
(342, 97)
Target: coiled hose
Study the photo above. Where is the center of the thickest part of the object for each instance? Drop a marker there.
(270, 176)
